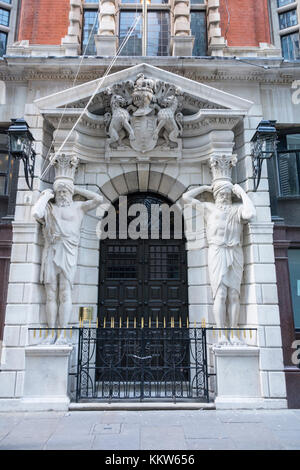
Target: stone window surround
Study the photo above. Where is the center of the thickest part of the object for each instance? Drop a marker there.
(78, 7)
(277, 32)
(9, 30)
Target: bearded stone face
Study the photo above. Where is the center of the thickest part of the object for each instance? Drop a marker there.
(224, 197)
(63, 195)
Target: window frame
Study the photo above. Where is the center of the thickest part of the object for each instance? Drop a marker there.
(89, 6)
(127, 7)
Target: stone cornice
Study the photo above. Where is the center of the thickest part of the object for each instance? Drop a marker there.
(18, 69)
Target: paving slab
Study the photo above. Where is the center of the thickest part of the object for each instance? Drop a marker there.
(151, 430)
(210, 444)
(162, 438)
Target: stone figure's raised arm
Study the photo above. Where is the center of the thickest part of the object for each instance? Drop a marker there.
(93, 199)
(38, 210)
(248, 210)
(190, 196)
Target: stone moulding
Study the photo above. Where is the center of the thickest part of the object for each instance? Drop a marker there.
(184, 113)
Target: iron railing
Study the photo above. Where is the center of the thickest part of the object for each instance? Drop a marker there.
(158, 363)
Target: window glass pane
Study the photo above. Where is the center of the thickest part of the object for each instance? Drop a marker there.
(90, 28)
(294, 267)
(158, 33)
(133, 46)
(287, 19)
(4, 160)
(4, 17)
(293, 141)
(288, 173)
(290, 46)
(3, 41)
(281, 3)
(198, 29)
(202, 2)
(6, 1)
(2, 185)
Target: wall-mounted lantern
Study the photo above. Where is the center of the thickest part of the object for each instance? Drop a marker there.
(20, 147)
(264, 144)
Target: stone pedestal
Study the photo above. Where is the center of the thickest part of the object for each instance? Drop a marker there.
(237, 377)
(46, 378)
(106, 45)
(182, 46)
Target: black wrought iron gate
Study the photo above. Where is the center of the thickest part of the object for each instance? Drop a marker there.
(142, 363)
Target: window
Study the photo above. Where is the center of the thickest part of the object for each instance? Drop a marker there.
(282, 3)
(289, 165)
(4, 17)
(287, 19)
(294, 268)
(198, 29)
(5, 165)
(90, 28)
(3, 42)
(290, 46)
(6, 1)
(133, 47)
(158, 33)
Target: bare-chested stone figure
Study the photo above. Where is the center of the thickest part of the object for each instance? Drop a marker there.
(224, 229)
(61, 218)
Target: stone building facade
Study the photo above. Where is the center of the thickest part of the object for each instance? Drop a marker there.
(241, 79)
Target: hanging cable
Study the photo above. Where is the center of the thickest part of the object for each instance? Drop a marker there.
(132, 28)
(74, 81)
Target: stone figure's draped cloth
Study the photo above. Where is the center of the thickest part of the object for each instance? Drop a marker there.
(225, 259)
(60, 250)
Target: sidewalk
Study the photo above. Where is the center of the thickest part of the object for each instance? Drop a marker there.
(158, 430)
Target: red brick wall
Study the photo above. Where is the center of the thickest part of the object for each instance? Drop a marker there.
(249, 22)
(44, 21)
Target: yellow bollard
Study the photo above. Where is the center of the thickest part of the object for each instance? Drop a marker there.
(112, 322)
(149, 322)
(104, 322)
(142, 322)
(250, 334)
(71, 332)
(58, 333)
(97, 323)
(219, 333)
(195, 324)
(52, 333)
(214, 334)
(134, 322)
(187, 323)
(238, 333)
(180, 323)
(127, 322)
(245, 334)
(65, 333)
(120, 322)
(164, 322)
(40, 332)
(156, 321)
(34, 332)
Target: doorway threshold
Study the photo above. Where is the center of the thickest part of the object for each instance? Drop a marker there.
(140, 406)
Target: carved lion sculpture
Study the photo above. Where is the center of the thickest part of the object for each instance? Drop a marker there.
(169, 122)
(118, 121)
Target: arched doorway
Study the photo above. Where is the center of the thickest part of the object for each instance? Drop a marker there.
(144, 281)
(144, 346)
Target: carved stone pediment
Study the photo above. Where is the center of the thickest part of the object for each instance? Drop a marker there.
(143, 113)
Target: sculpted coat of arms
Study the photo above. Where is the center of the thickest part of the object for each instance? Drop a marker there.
(143, 115)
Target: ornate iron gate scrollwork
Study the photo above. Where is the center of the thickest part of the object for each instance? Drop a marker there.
(142, 363)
